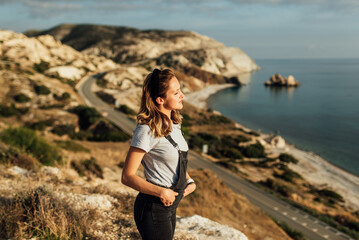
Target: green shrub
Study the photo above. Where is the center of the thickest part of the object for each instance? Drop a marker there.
(106, 97)
(87, 116)
(63, 129)
(101, 82)
(88, 167)
(254, 151)
(284, 157)
(41, 90)
(62, 97)
(41, 67)
(81, 135)
(276, 187)
(51, 106)
(125, 109)
(40, 125)
(72, 146)
(21, 98)
(27, 140)
(8, 111)
(218, 119)
(294, 234)
(104, 131)
(327, 193)
(288, 175)
(228, 165)
(186, 121)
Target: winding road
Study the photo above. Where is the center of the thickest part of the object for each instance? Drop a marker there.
(312, 228)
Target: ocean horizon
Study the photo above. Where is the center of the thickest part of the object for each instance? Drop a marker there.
(319, 116)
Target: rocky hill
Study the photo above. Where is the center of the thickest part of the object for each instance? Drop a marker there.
(41, 124)
(182, 50)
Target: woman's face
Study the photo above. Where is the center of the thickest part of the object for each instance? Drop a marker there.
(174, 96)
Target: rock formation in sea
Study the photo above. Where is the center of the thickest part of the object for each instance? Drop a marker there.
(278, 81)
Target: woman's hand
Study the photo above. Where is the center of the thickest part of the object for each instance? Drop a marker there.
(168, 196)
(189, 189)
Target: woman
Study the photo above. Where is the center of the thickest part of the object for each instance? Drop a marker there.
(159, 145)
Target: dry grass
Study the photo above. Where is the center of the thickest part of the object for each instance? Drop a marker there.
(214, 200)
(37, 213)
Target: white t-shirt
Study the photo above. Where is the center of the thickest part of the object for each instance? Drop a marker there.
(161, 158)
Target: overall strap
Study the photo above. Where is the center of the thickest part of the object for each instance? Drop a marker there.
(170, 139)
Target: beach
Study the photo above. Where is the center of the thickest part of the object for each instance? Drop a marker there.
(311, 167)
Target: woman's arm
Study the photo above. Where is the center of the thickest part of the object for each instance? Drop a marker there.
(129, 178)
(189, 188)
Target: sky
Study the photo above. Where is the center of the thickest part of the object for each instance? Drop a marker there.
(264, 29)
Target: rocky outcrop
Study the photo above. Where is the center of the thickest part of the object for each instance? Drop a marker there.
(50, 56)
(203, 228)
(176, 49)
(278, 81)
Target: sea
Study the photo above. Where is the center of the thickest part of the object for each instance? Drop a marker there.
(320, 116)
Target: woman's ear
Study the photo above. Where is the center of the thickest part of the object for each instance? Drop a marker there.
(160, 100)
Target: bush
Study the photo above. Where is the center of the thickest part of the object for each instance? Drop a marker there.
(14, 156)
(125, 109)
(228, 165)
(41, 67)
(62, 97)
(186, 121)
(27, 140)
(40, 125)
(284, 157)
(218, 119)
(63, 129)
(7, 111)
(294, 234)
(104, 131)
(288, 175)
(327, 193)
(101, 82)
(254, 151)
(41, 90)
(52, 106)
(106, 97)
(276, 187)
(87, 116)
(21, 98)
(88, 167)
(72, 146)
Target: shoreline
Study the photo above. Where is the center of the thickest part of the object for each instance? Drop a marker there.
(315, 169)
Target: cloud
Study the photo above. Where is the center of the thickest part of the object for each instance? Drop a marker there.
(47, 9)
(51, 8)
(326, 5)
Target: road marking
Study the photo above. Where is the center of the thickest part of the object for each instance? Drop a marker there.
(304, 224)
(276, 208)
(294, 218)
(285, 213)
(315, 230)
(325, 236)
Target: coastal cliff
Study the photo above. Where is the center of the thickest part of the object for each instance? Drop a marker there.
(182, 50)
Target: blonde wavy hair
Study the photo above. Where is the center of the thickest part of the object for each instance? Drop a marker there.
(156, 85)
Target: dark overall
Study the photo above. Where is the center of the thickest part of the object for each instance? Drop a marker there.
(154, 220)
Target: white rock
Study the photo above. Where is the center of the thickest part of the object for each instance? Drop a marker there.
(203, 228)
(68, 72)
(278, 142)
(18, 171)
(291, 81)
(51, 171)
